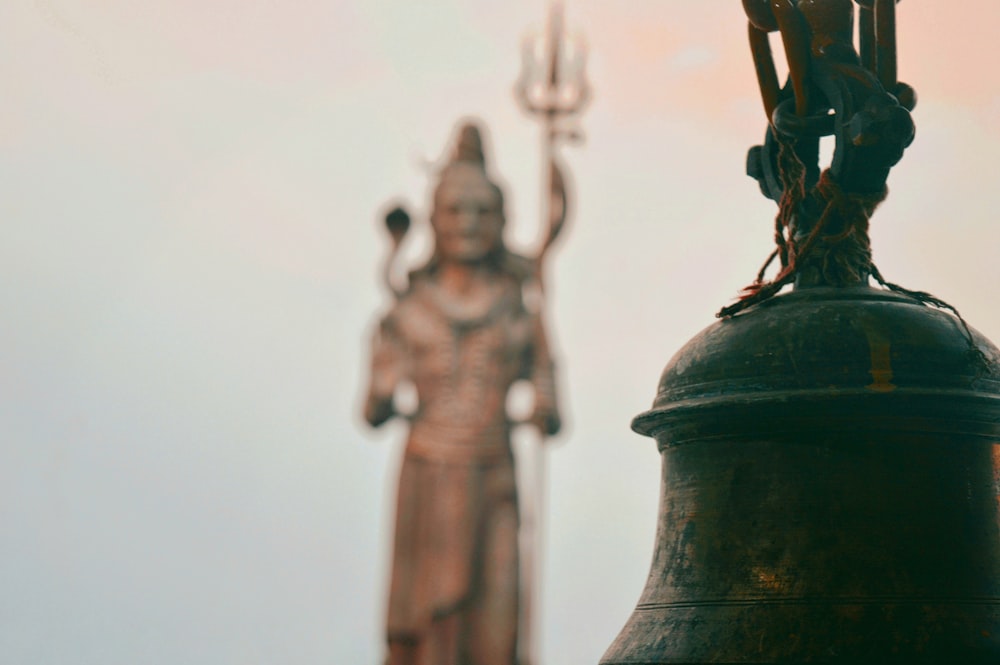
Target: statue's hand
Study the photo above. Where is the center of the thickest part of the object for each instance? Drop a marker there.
(378, 411)
(547, 420)
(386, 375)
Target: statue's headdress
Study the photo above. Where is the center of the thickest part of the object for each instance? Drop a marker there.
(468, 151)
(469, 147)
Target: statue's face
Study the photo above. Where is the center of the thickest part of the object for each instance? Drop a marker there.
(468, 215)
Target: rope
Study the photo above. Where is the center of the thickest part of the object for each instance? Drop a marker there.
(845, 257)
(837, 245)
(793, 193)
(930, 300)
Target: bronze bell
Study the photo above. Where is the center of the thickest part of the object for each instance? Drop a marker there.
(831, 456)
(831, 464)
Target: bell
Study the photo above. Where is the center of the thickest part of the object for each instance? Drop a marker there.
(831, 464)
(831, 456)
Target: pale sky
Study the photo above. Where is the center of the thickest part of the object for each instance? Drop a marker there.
(190, 246)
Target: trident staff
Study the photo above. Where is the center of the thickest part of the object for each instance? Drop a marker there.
(552, 87)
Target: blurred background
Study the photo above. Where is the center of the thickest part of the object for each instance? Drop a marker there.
(190, 203)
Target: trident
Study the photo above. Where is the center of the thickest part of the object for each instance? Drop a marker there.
(552, 87)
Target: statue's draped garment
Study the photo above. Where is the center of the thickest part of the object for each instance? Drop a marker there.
(454, 584)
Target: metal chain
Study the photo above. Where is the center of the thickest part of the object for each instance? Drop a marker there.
(831, 90)
(808, 27)
(821, 230)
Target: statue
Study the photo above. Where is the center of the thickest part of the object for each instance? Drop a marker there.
(462, 332)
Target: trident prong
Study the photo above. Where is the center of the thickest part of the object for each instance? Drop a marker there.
(552, 82)
(553, 86)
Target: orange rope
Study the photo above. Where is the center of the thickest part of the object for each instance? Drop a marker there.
(844, 254)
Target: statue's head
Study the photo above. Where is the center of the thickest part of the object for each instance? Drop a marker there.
(467, 214)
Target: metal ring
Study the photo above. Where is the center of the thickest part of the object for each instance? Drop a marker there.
(760, 15)
(906, 95)
(786, 121)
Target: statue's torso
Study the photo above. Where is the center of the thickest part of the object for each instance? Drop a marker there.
(462, 368)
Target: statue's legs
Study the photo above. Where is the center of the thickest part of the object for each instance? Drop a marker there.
(493, 617)
(454, 590)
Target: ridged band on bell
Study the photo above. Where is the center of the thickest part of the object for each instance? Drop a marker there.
(831, 464)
